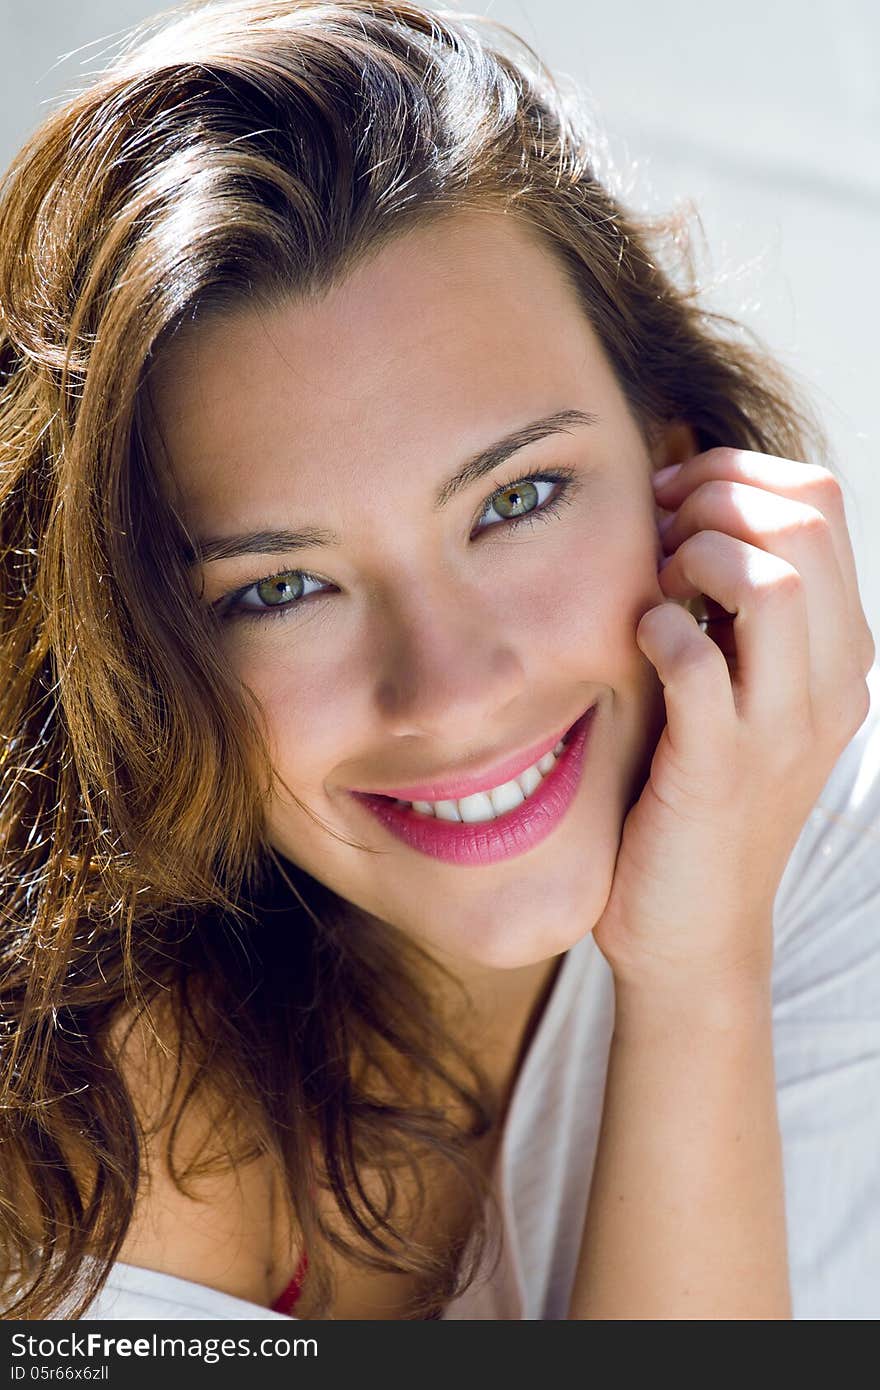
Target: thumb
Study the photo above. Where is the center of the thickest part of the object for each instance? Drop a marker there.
(695, 679)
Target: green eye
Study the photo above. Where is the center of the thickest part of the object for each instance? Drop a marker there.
(276, 595)
(516, 500)
(530, 499)
(280, 588)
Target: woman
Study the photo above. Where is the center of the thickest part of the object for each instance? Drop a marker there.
(411, 955)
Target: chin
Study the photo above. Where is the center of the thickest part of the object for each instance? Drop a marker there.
(512, 939)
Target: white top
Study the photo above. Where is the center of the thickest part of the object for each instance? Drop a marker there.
(826, 1021)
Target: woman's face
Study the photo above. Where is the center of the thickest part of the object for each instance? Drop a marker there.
(426, 641)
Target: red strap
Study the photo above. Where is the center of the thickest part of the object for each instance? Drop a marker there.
(285, 1301)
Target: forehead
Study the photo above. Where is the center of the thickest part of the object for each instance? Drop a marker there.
(450, 335)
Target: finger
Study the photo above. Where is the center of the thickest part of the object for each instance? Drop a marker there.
(825, 493)
(766, 597)
(810, 484)
(696, 685)
(800, 535)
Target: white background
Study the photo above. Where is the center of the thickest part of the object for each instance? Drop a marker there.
(766, 113)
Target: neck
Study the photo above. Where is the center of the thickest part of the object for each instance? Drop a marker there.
(505, 1009)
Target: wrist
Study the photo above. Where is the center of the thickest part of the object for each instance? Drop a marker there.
(692, 1006)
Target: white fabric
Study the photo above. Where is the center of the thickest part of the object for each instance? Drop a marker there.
(826, 993)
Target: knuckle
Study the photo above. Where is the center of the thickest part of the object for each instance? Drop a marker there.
(779, 583)
(811, 525)
(700, 545)
(826, 495)
(826, 485)
(726, 456)
(715, 490)
(865, 651)
(844, 712)
(860, 704)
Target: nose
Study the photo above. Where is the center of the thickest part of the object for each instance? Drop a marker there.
(448, 668)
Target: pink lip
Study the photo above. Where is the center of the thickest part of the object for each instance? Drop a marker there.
(469, 782)
(487, 842)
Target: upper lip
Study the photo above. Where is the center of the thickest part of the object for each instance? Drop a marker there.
(478, 778)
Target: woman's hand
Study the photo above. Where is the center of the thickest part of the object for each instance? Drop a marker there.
(758, 710)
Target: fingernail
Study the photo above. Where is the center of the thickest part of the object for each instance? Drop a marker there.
(662, 477)
(665, 522)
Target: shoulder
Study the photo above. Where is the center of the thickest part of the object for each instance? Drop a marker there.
(199, 1217)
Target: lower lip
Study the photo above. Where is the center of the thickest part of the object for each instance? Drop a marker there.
(505, 837)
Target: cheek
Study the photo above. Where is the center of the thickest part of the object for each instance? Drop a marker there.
(310, 700)
(284, 687)
(597, 592)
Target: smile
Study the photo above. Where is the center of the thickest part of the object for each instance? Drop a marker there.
(498, 823)
(494, 801)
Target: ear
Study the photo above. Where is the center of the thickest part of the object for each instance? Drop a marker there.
(672, 441)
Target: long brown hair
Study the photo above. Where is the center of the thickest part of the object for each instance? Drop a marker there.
(232, 155)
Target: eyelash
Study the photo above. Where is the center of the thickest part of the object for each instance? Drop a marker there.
(228, 606)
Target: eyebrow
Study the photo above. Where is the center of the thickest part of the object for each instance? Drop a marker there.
(283, 541)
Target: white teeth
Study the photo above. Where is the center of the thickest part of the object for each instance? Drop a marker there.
(476, 807)
(530, 779)
(487, 805)
(505, 797)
